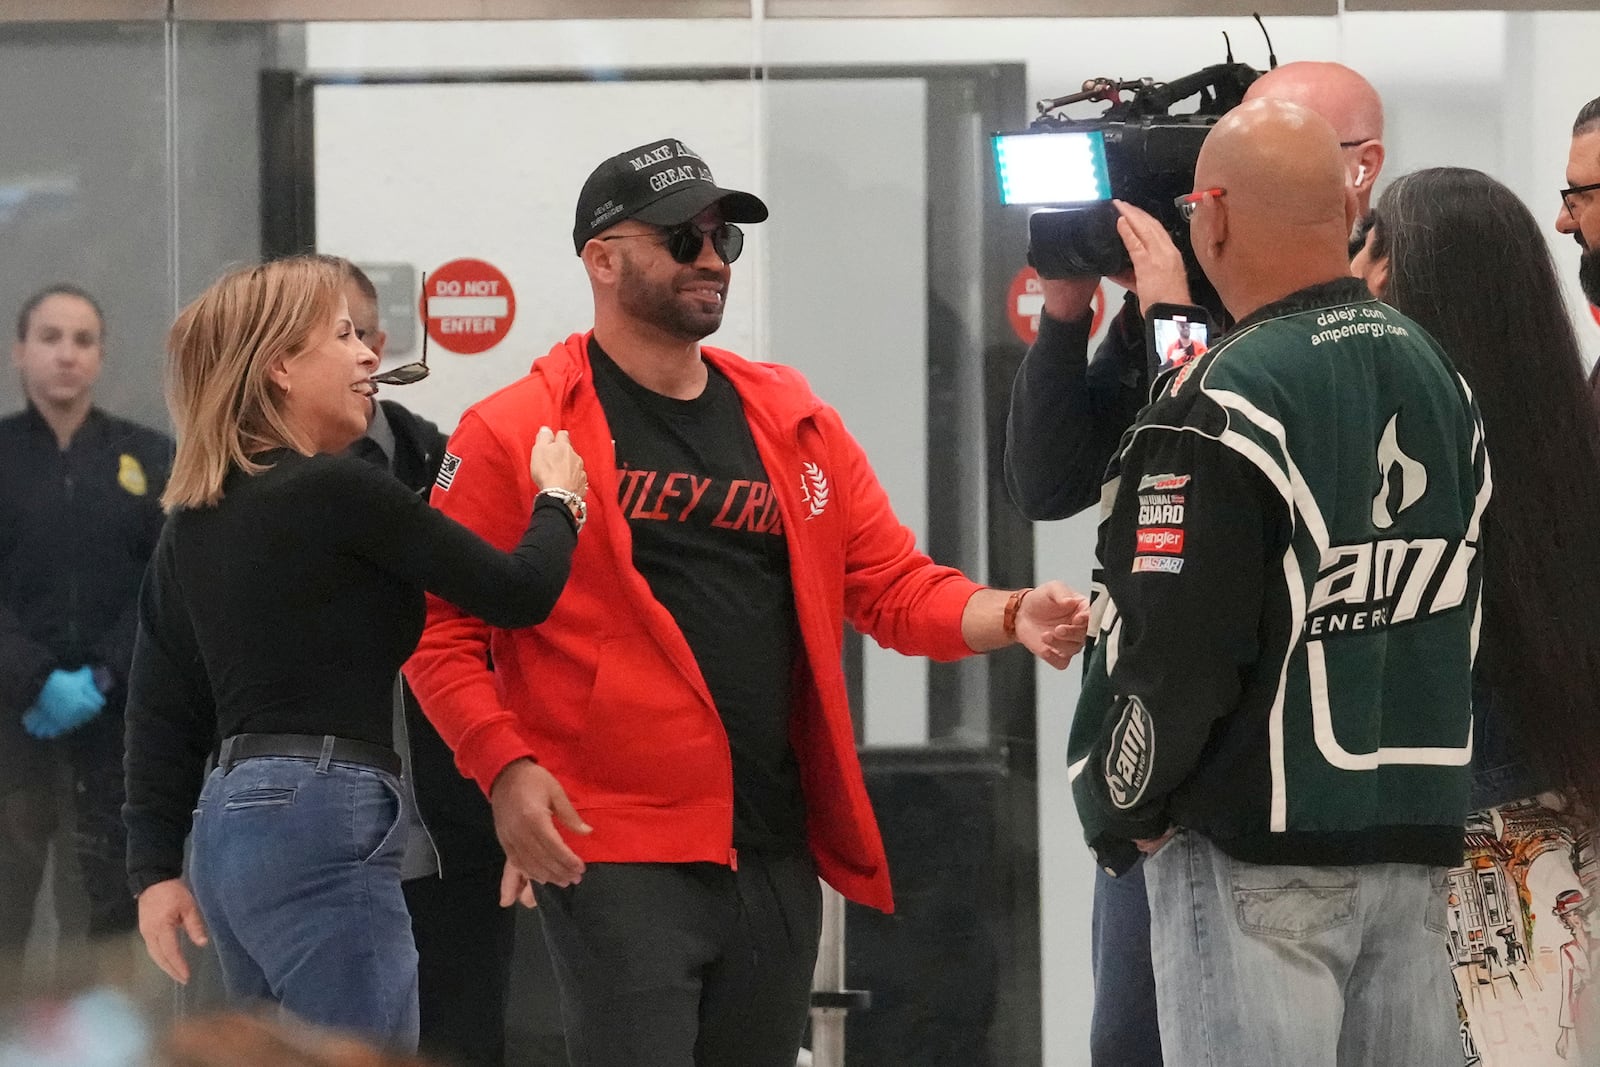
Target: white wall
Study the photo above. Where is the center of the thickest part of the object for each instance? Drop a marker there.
(1487, 90)
(424, 174)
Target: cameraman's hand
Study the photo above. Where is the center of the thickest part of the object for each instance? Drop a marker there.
(1068, 299)
(1159, 276)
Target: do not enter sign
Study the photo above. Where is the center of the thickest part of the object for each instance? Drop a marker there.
(468, 306)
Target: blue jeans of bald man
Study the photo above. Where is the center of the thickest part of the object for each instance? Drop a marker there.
(1276, 965)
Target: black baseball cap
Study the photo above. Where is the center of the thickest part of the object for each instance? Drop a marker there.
(664, 183)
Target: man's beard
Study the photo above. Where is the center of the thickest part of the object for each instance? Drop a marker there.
(661, 307)
(1589, 275)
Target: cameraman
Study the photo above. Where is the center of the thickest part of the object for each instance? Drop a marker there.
(1068, 412)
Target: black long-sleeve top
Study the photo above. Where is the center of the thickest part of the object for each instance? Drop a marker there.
(288, 608)
(1068, 412)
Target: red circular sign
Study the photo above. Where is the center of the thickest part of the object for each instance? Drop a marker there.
(1025, 303)
(468, 306)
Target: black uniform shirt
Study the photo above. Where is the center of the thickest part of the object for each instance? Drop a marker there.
(77, 526)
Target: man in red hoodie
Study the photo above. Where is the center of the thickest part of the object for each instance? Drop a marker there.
(687, 693)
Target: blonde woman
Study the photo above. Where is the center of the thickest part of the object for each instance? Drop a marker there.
(285, 592)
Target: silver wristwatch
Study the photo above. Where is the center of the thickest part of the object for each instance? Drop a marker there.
(574, 503)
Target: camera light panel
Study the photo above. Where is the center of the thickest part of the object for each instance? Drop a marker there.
(1052, 168)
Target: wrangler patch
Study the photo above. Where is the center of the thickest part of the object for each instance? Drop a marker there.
(1159, 539)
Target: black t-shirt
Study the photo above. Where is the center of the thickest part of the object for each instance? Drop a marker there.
(708, 538)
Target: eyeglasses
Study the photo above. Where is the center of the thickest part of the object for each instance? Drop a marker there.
(685, 243)
(1356, 144)
(1574, 190)
(410, 373)
(1189, 203)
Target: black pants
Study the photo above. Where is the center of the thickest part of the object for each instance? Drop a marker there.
(99, 839)
(465, 942)
(685, 965)
(93, 758)
(27, 822)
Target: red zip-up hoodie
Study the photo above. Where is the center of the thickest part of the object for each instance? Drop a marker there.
(606, 693)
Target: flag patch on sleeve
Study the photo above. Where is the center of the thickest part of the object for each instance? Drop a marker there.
(447, 471)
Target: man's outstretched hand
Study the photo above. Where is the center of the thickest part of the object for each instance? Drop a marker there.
(1052, 623)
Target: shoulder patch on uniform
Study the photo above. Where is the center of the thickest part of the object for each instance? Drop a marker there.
(447, 470)
(1131, 756)
(130, 475)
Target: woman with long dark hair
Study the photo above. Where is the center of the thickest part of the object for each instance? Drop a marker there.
(1456, 251)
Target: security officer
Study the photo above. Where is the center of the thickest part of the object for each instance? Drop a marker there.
(79, 517)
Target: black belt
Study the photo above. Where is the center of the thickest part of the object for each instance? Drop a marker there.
(307, 746)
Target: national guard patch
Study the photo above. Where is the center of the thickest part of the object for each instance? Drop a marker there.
(1132, 752)
(447, 471)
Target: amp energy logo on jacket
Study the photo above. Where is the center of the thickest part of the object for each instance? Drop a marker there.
(1130, 755)
(1378, 583)
(1396, 471)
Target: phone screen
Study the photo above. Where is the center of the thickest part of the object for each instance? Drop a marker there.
(1052, 168)
(1178, 338)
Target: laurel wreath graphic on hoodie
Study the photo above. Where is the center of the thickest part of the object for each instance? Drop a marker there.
(814, 487)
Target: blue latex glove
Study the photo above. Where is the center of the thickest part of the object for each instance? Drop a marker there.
(68, 700)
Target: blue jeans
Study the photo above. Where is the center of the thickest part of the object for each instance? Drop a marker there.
(1269, 966)
(296, 868)
(1124, 1031)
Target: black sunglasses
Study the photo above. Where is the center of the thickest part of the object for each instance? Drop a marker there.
(685, 242)
(1573, 190)
(410, 373)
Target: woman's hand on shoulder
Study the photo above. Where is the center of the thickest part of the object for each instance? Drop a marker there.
(555, 465)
